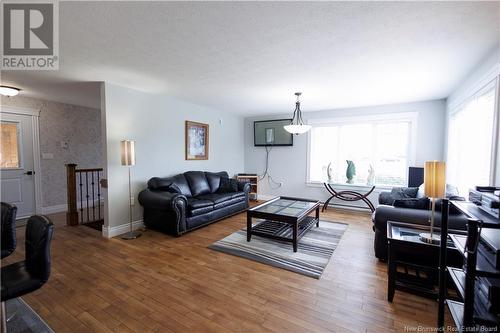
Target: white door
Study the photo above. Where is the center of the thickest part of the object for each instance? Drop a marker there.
(17, 163)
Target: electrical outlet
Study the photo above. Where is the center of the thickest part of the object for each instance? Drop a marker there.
(132, 201)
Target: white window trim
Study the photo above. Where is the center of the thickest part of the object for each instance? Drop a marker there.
(460, 106)
(457, 107)
(411, 117)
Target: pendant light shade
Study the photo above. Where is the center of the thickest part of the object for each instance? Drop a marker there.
(9, 91)
(297, 125)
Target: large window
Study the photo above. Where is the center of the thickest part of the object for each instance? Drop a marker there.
(384, 143)
(470, 141)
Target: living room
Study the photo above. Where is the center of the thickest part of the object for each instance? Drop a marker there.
(172, 106)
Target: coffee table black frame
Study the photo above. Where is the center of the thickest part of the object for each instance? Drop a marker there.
(279, 226)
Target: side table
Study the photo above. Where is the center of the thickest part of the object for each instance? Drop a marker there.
(412, 265)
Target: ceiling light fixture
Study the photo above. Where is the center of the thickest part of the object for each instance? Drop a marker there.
(297, 125)
(9, 91)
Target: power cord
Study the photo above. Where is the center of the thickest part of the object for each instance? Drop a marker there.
(272, 183)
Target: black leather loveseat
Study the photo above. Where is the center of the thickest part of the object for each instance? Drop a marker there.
(387, 210)
(190, 200)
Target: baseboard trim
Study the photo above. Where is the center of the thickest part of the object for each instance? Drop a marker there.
(62, 208)
(110, 232)
(55, 209)
(265, 197)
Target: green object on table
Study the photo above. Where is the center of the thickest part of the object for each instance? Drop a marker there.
(350, 172)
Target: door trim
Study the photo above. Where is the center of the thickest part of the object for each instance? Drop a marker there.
(35, 129)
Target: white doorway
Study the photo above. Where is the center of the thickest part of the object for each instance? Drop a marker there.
(20, 160)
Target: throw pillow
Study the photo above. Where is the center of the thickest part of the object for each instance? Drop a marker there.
(172, 188)
(227, 185)
(414, 203)
(451, 191)
(404, 192)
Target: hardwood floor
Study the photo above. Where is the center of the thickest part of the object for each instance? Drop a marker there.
(158, 283)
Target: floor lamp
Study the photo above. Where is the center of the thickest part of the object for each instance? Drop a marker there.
(128, 159)
(435, 187)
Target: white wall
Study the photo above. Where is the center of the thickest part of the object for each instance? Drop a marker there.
(485, 72)
(156, 123)
(289, 164)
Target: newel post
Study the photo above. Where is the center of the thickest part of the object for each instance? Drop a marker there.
(72, 214)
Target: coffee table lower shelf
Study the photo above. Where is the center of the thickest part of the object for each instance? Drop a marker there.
(281, 230)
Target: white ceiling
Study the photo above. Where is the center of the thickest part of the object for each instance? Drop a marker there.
(250, 58)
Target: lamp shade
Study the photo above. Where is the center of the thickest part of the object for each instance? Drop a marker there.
(434, 179)
(128, 152)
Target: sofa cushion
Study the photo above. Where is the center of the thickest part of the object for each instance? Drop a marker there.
(404, 192)
(228, 185)
(165, 184)
(229, 202)
(197, 206)
(174, 189)
(213, 179)
(159, 184)
(194, 203)
(414, 203)
(216, 198)
(199, 211)
(197, 182)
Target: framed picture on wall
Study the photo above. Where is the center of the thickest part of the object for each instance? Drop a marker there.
(196, 141)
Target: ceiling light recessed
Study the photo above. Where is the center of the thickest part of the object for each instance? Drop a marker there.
(9, 91)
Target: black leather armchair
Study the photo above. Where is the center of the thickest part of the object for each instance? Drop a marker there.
(187, 201)
(9, 213)
(26, 276)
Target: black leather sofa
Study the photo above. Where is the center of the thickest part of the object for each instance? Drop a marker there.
(386, 211)
(191, 200)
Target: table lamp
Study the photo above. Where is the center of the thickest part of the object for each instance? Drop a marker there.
(128, 159)
(435, 187)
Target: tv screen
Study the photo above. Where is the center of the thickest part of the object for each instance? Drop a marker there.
(271, 133)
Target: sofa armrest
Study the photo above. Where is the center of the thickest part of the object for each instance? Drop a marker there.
(161, 200)
(244, 186)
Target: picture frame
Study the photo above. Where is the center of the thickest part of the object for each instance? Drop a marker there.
(196, 140)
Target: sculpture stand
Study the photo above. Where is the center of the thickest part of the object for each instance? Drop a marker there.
(348, 195)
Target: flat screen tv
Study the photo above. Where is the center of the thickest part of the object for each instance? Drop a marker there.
(271, 133)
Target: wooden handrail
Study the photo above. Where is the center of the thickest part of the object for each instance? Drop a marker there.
(72, 213)
(88, 170)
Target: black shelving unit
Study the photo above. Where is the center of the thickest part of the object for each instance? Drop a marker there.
(471, 311)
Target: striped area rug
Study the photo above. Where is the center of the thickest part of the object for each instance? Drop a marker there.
(314, 251)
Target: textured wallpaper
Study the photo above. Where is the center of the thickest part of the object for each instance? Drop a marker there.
(79, 126)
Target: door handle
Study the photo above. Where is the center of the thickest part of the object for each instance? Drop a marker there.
(29, 173)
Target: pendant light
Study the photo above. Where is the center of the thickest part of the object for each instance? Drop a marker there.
(297, 125)
(9, 91)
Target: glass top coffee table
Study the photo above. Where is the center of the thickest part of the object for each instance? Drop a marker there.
(284, 218)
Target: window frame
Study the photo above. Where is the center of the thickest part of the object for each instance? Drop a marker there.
(20, 143)
(411, 117)
(459, 107)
